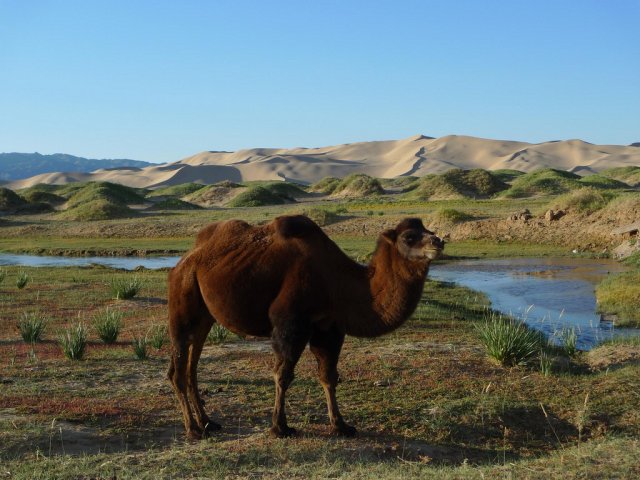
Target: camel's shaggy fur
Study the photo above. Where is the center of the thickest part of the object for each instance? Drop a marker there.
(287, 280)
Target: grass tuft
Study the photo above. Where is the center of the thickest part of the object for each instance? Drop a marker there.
(74, 341)
(509, 341)
(158, 336)
(108, 325)
(22, 280)
(218, 334)
(32, 327)
(124, 288)
(140, 347)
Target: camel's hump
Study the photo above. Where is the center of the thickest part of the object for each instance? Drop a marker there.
(295, 226)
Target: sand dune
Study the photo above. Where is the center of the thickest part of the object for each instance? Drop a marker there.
(417, 155)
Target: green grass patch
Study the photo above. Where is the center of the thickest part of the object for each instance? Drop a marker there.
(358, 185)
(180, 190)
(603, 182)
(450, 216)
(10, 200)
(124, 288)
(97, 209)
(174, 204)
(106, 191)
(620, 295)
(629, 175)
(583, 200)
(257, 196)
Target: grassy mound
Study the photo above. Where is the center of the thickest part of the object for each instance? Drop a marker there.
(212, 194)
(256, 196)
(97, 209)
(285, 189)
(546, 181)
(40, 196)
(174, 204)
(603, 183)
(110, 192)
(10, 200)
(180, 190)
(322, 216)
(358, 185)
(628, 175)
(325, 186)
(507, 175)
(400, 184)
(450, 216)
(584, 200)
(458, 183)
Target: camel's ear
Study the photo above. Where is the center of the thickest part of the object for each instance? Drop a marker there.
(390, 236)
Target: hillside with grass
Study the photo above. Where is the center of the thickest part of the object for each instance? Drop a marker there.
(458, 184)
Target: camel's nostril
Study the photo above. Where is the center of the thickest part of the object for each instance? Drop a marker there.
(437, 242)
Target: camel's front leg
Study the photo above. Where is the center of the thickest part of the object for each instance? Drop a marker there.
(288, 345)
(326, 346)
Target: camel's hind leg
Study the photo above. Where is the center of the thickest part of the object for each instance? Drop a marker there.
(177, 375)
(326, 346)
(202, 419)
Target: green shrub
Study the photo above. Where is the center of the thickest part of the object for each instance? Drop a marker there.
(124, 288)
(108, 325)
(509, 341)
(217, 334)
(140, 347)
(158, 336)
(32, 327)
(74, 341)
(22, 280)
(358, 185)
(546, 363)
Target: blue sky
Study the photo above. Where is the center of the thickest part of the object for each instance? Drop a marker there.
(159, 80)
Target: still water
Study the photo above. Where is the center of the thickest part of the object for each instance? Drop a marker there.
(548, 293)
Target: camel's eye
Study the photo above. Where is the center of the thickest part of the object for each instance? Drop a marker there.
(411, 239)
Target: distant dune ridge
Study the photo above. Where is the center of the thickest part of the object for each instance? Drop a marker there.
(417, 155)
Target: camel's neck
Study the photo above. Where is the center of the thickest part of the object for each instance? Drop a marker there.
(395, 286)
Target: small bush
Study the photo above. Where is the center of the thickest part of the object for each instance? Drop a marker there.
(140, 347)
(125, 288)
(217, 334)
(585, 200)
(158, 336)
(32, 327)
(108, 325)
(322, 216)
(22, 280)
(74, 341)
(509, 341)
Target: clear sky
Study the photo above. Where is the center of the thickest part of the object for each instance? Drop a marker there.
(161, 80)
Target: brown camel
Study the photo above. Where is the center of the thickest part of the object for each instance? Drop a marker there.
(287, 280)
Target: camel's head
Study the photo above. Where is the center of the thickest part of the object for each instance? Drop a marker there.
(414, 241)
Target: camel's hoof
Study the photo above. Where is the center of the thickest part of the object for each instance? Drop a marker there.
(194, 435)
(283, 432)
(211, 427)
(344, 430)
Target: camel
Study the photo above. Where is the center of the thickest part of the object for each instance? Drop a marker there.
(289, 281)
